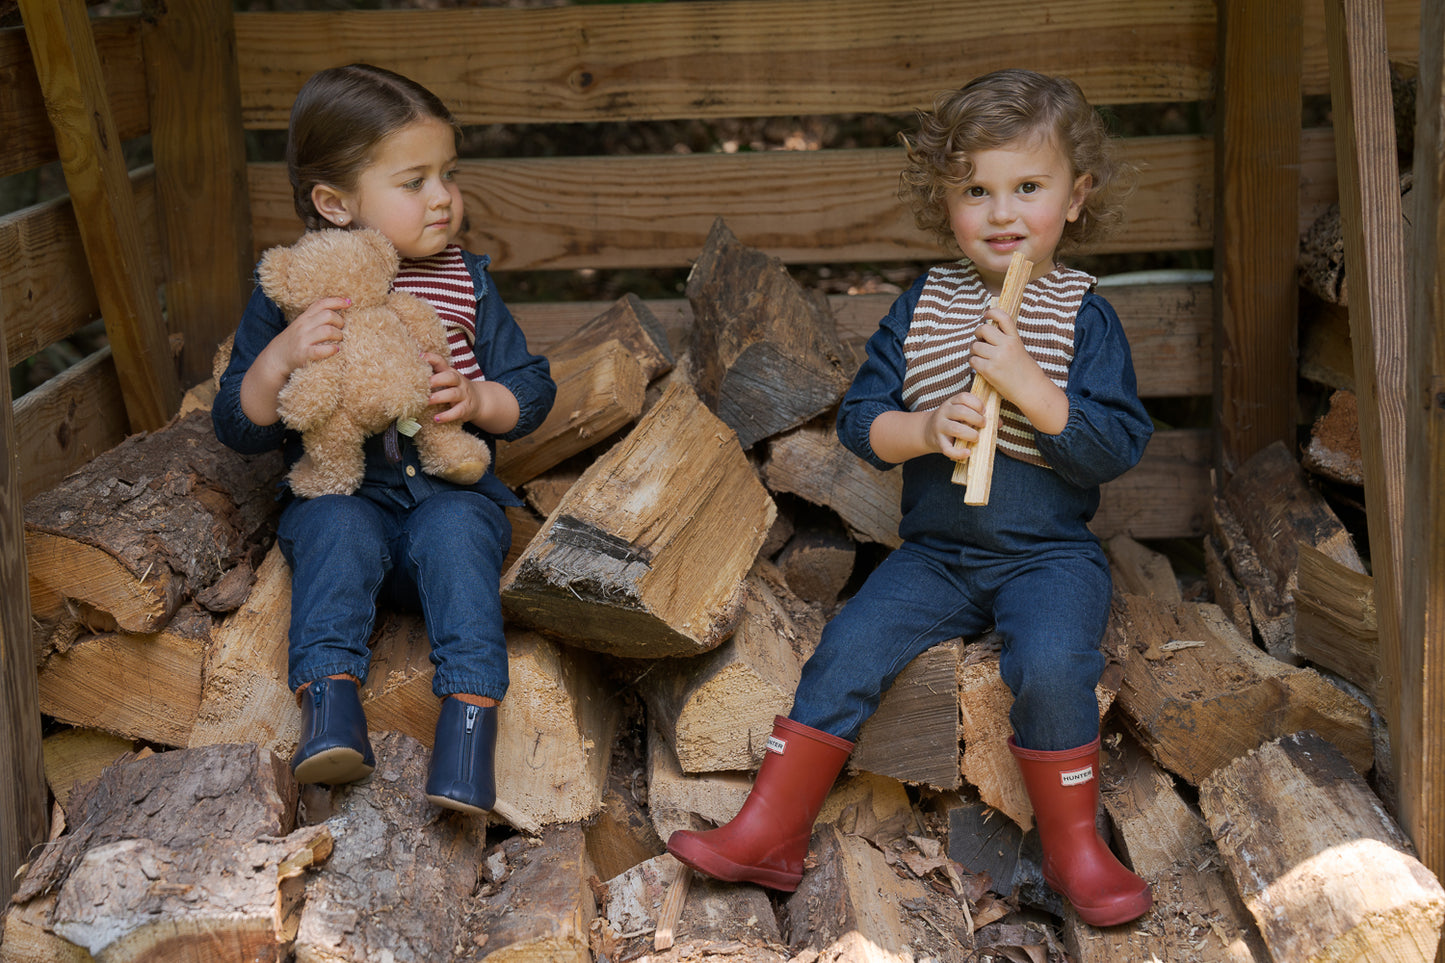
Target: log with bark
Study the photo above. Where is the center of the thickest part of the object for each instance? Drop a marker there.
(191, 854)
(536, 902)
(1325, 872)
(148, 525)
(765, 354)
(812, 463)
(646, 554)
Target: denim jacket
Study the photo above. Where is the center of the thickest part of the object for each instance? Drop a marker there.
(502, 353)
(1029, 506)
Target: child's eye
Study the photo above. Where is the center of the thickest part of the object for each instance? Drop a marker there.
(1028, 187)
(450, 175)
(413, 184)
(974, 191)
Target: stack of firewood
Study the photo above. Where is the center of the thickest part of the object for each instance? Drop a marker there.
(691, 525)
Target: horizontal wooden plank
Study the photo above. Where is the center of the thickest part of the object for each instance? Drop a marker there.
(45, 289)
(805, 207)
(723, 58)
(1166, 495)
(67, 421)
(28, 141)
(1169, 327)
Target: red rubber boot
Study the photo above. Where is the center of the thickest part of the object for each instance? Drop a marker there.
(765, 843)
(1064, 789)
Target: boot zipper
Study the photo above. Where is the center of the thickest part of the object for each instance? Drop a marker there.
(468, 742)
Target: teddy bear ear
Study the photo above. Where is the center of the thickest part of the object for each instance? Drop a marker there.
(274, 267)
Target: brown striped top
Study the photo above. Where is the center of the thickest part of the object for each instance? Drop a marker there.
(945, 324)
(444, 282)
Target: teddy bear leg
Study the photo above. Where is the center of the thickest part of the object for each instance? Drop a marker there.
(448, 451)
(333, 463)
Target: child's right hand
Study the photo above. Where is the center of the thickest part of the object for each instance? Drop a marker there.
(954, 425)
(316, 333)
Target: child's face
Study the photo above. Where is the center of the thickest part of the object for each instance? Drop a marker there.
(408, 191)
(1019, 199)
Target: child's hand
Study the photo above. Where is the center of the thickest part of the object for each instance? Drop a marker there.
(999, 356)
(954, 425)
(485, 404)
(315, 334)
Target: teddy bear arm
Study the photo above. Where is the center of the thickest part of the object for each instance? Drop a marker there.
(421, 322)
(311, 395)
(449, 451)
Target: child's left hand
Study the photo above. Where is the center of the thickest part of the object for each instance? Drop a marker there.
(1000, 356)
(485, 404)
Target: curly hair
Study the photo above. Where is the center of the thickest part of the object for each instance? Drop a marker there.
(995, 110)
(339, 117)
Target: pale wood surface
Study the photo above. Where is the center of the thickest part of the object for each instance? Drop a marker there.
(68, 421)
(76, 756)
(1256, 226)
(1336, 623)
(914, 735)
(646, 554)
(69, 68)
(1419, 729)
(542, 909)
(976, 473)
(1324, 870)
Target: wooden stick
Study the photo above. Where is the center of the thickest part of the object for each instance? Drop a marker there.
(976, 471)
(671, 910)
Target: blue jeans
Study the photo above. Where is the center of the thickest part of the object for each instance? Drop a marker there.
(442, 555)
(1050, 608)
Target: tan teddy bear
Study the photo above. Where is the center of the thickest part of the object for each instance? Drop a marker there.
(377, 379)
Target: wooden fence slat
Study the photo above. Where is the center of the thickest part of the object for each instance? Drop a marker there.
(45, 290)
(200, 161)
(22, 803)
(1419, 739)
(726, 59)
(1256, 227)
(67, 421)
(66, 62)
(29, 141)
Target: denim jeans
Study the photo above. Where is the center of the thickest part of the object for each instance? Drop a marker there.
(1050, 608)
(441, 555)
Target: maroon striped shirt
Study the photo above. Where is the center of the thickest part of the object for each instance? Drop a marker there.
(444, 282)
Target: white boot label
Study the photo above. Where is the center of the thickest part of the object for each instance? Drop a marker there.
(1075, 777)
(776, 745)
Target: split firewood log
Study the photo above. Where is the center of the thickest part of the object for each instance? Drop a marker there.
(765, 354)
(1197, 913)
(852, 893)
(621, 835)
(397, 869)
(1199, 695)
(914, 734)
(628, 321)
(717, 709)
(1336, 625)
(181, 855)
(812, 463)
(1277, 512)
(136, 685)
(149, 524)
(1324, 870)
(535, 902)
(1224, 588)
(646, 554)
(1140, 570)
(75, 757)
(1333, 450)
(818, 562)
(991, 846)
(600, 390)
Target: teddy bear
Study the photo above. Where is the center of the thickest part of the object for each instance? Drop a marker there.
(377, 380)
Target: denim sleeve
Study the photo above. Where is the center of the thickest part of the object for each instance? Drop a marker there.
(502, 352)
(878, 385)
(1108, 427)
(261, 322)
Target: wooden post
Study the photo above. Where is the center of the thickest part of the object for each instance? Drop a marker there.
(22, 802)
(1372, 229)
(198, 141)
(68, 66)
(1256, 226)
(1419, 734)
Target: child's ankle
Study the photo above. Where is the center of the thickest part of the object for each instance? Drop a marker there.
(474, 700)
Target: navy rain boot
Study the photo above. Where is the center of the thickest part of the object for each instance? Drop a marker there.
(334, 748)
(462, 754)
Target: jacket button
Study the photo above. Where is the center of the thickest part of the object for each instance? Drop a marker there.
(410, 471)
